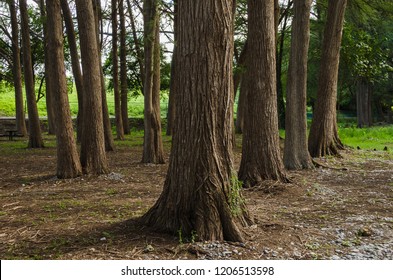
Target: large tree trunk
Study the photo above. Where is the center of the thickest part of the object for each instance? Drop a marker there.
(123, 70)
(152, 145)
(93, 156)
(17, 72)
(49, 89)
(76, 70)
(115, 60)
(35, 137)
(296, 155)
(68, 163)
(323, 139)
(261, 157)
(201, 193)
(363, 103)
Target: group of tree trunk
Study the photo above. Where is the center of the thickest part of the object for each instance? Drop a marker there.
(202, 191)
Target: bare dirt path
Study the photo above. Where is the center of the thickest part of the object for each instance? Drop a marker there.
(327, 213)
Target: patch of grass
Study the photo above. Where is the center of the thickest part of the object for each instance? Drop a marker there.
(111, 191)
(370, 138)
(135, 104)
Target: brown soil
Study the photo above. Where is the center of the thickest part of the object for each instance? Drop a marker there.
(341, 212)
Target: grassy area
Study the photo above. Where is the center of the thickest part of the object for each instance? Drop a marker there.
(135, 104)
(366, 138)
(371, 138)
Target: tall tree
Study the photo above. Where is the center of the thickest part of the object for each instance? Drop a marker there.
(261, 157)
(17, 71)
(152, 145)
(76, 70)
(283, 20)
(109, 144)
(123, 69)
(296, 155)
(93, 156)
(323, 138)
(137, 43)
(115, 61)
(35, 137)
(201, 193)
(237, 80)
(68, 163)
(173, 84)
(49, 89)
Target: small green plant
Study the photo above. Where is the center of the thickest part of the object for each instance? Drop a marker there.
(194, 236)
(111, 191)
(180, 236)
(236, 201)
(186, 239)
(346, 243)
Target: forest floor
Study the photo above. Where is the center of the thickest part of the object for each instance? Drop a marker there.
(341, 212)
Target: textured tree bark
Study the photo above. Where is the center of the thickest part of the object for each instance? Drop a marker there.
(123, 70)
(35, 137)
(76, 70)
(323, 139)
(201, 195)
(152, 144)
(68, 163)
(115, 59)
(296, 155)
(261, 157)
(17, 72)
(93, 156)
(49, 87)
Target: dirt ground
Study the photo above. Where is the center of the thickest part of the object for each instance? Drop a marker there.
(341, 212)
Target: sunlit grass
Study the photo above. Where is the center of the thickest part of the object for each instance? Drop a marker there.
(368, 138)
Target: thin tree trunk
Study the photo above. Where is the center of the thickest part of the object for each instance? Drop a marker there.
(152, 145)
(115, 60)
(261, 157)
(137, 45)
(68, 163)
(17, 72)
(35, 137)
(201, 194)
(49, 88)
(280, 55)
(123, 70)
(93, 156)
(173, 87)
(323, 139)
(109, 144)
(296, 155)
(237, 80)
(76, 70)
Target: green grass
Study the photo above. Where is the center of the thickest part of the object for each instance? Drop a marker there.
(135, 104)
(371, 138)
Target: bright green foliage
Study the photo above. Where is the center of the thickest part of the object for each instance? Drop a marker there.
(368, 138)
